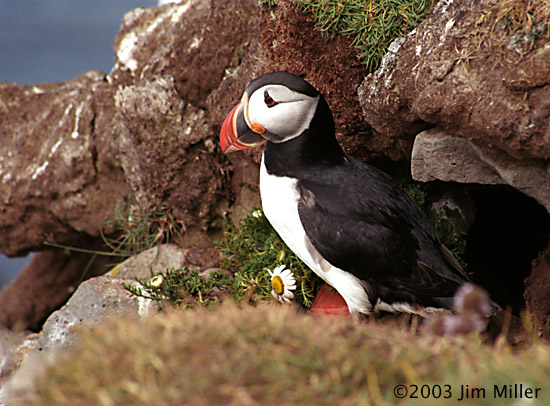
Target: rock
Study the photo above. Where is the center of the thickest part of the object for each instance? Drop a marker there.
(456, 72)
(469, 87)
(12, 360)
(45, 284)
(141, 130)
(94, 300)
(138, 139)
(157, 259)
(106, 295)
(16, 352)
(438, 155)
(56, 166)
(537, 286)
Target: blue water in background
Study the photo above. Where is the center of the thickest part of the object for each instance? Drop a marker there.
(44, 41)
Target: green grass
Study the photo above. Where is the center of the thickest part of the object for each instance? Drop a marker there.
(274, 355)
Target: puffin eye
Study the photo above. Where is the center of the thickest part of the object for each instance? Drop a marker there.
(268, 100)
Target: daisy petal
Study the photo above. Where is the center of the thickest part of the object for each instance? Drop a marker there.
(279, 269)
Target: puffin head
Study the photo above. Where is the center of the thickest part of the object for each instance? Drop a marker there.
(276, 107)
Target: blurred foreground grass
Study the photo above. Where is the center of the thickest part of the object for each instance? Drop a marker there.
(274, 355)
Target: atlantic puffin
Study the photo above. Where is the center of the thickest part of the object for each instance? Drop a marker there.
(347, 220)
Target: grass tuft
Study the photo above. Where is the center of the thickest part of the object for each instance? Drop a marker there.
(138, 229)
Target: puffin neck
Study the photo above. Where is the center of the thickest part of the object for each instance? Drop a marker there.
(315, 147)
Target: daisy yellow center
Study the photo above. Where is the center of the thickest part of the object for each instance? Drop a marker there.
(278, 285)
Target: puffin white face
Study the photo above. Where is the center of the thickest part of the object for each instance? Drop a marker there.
(280, 112)
(276, 107)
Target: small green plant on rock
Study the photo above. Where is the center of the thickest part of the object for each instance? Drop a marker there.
(371, 24)
(252, 250)
(183, 287)
(138, 229)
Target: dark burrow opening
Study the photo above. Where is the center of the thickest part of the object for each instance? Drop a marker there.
(509, 231)
(505, 230)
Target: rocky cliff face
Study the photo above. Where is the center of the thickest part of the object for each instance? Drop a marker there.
(144, 136)
(464, 72)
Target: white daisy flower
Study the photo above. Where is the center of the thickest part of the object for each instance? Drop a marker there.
(156, 281)
(282, 282)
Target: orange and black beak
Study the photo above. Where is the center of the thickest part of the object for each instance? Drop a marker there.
(235, 134)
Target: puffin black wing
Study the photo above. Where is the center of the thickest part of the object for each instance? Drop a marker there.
(362, 223)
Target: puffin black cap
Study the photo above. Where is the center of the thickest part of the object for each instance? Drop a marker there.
(287, 79)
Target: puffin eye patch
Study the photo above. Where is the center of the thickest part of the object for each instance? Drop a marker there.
(268, 100)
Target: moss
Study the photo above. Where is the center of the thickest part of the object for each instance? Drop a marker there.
(272, 355)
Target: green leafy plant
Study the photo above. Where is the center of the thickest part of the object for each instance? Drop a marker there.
(183, 287)
(372, 24)
(251, 249)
